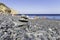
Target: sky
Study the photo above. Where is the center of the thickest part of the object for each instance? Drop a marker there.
(34, 6)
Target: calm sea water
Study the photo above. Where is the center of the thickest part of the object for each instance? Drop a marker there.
(49, 16)
(41, 14)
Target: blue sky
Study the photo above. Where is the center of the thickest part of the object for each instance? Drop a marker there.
(34, 6)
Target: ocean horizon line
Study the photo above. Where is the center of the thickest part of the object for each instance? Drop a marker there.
(40, 14)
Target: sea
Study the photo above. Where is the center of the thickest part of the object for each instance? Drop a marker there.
(49, 16)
